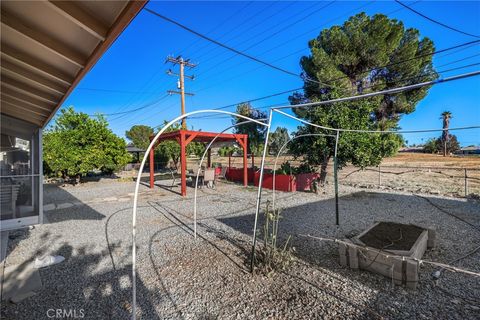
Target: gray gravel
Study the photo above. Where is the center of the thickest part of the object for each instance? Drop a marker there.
(183, 278)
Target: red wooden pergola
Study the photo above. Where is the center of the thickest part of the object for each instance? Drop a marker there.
(184, 137)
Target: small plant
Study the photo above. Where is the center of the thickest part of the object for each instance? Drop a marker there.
(270, 256)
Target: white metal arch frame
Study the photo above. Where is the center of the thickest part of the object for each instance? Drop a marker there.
(137, 186)
(338, 130)
(279, 153)
(200, 166)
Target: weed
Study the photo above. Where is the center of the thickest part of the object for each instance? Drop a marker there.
(272, 257)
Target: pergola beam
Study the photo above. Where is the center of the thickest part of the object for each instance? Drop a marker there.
(184, 137)
(30, 77)
(42, 39)
(28, 61)
(71, 11)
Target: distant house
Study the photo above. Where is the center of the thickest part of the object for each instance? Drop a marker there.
(412, 149)
(135, 152)
(470, 150)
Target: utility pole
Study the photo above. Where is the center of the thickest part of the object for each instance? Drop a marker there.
(181, 81)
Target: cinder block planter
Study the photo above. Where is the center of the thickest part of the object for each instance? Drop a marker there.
(304, 180)
(386, 247)
(283, 182)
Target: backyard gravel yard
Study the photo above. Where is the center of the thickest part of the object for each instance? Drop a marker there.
(208, 278)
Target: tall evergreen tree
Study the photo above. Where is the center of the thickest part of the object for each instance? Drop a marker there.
(365, 54)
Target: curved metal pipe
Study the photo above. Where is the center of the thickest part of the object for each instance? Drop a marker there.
(280, 152)
(372, 131)
(137, 186)
(199, 169)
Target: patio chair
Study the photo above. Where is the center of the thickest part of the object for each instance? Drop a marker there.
(223, 173)
(209, 178)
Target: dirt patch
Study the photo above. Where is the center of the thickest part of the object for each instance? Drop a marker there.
(392, 236)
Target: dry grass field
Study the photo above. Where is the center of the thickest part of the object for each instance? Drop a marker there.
(411, 172)
(426, 160)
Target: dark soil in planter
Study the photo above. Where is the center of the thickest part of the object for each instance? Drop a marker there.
(392, 236)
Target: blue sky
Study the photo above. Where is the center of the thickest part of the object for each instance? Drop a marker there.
(132, 74)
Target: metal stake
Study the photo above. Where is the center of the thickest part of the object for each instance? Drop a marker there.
(335, 177)
(259, 193)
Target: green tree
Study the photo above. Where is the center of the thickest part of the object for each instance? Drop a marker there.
(277, 139)
(170, 150)
(445, 116)
(255, 131)
(77, 144)
(225, 151)
(365, 54)
(140, 135)
(437, 145)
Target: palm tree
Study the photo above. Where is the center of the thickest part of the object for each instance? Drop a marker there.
(446, 116)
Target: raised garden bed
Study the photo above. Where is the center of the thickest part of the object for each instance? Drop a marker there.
(383, 247)
(236, 174)
(283, 182)
(305, 180)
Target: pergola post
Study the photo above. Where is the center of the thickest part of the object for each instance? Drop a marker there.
(253, 161)
(152, 169)
(229, 160)
(183, 163)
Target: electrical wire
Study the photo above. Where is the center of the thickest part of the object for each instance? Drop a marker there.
(283, 43)
(246, 55)
(271, 35)
(132, 110)
(235, 13)
(242, 32)
(436, 21)
(367, 87)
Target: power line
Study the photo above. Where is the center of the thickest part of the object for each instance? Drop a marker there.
(296, 89)
(413, 58)
(367, 87)
(132, 110)
(436, 21)
(310, 13)
(242, 32)
(219, 25)
(112, 90)
(228, 47)
(387, 91)
(283, 44)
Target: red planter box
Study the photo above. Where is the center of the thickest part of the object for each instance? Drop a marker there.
(236, 174)
(218, 171)
(304, 180)
(283, 182)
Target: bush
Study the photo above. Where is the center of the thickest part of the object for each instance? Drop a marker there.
(78, 144)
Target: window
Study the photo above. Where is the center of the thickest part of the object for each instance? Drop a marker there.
(20, 174)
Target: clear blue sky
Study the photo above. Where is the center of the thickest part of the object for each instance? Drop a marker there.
(131, 74)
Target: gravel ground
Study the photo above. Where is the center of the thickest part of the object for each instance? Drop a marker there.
(207, 278)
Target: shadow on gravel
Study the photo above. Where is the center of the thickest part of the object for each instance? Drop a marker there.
(68, 206)
(454, 220)
(76, 287)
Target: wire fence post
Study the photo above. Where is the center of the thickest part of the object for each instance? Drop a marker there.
(335, 177)
(379, 176)
(466, 183)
